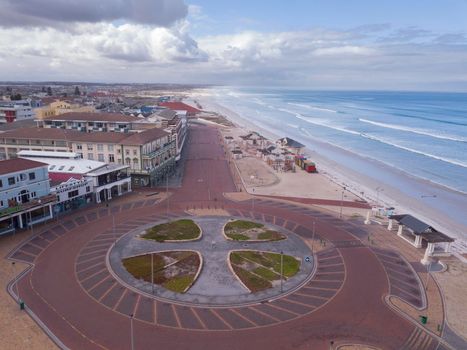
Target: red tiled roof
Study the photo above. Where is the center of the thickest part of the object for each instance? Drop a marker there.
(58, 178)
(144, 137)
(18, 164)
(94, 117)
(179, 106)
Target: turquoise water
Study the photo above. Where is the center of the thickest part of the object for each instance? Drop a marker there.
(423, 134)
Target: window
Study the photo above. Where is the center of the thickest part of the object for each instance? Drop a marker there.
(127, 152)
(110, 148)
(32, 176)
(111, 158)
(135, 152)
(90, 156)
(79, 146)
(22, 177)
(32, 195)
(11, 181)
(1, 183)
(90, 146)
(72, 194)
(88, 188)
(80, 155)
(61, 167)
(100, 147)
(100, 157)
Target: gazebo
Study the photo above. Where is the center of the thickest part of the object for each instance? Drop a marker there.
(416, 231)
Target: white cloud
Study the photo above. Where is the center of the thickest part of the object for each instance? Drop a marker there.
(317, 58)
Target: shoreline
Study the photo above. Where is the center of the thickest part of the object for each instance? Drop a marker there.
(406, 200)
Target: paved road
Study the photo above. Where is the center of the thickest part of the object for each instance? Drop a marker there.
(73, 293)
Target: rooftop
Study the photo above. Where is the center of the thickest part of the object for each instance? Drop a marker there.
(93, 117)
(18, 164)
(144, 137)
(180, 106)
(421, 228)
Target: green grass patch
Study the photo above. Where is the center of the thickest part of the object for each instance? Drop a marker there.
(237, 236)
(179, 283)
(253, 282)
(235, 258)
(267, 274)
(241, 225)
(173, 231)
(140, 266)
(270, 235)
(290, 265)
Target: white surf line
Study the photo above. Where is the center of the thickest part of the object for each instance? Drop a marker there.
(412, 130)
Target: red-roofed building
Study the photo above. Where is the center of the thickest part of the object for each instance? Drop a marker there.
(180, 106)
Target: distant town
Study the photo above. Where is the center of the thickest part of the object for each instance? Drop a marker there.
(63, 146)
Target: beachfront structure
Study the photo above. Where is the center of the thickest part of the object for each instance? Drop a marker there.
(150, 154)
(90, 122)
(291, 145)
(59, 107)
(24, 194)
(421, 235)
(103, 181)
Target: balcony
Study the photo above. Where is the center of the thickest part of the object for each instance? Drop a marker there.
(34, 204)
(159, 151)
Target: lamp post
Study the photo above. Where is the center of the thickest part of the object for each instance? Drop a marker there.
(167, 194)
(342, 202)
(378, 190)
(282, 269)
(152, 272)
(131, 333)
(427, 275)
(16, 279)
(313, 238)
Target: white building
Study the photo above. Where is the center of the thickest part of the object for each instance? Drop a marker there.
(77, 179)
(24, 194)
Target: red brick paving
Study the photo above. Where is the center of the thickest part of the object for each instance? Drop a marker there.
(344, 301)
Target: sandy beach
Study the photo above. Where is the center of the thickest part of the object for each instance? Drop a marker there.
(402, 194)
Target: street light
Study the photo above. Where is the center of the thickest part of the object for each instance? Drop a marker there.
(131, 333)
(378, 190)
(152, 272)
(313, 238)
(282, 269)
(342, 202)
(427, 275)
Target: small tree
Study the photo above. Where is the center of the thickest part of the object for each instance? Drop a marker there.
(77, 92)
(15, 97)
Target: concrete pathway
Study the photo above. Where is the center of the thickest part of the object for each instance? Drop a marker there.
(216, 284)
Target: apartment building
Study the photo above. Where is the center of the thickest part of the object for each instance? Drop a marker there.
(11, 111)
(150, 154)
(90, 122)
(60, 107)
(24, 194)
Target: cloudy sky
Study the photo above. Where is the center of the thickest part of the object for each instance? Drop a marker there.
(320, 44)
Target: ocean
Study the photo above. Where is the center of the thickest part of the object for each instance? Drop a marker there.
(412, 144)
(423, 134)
